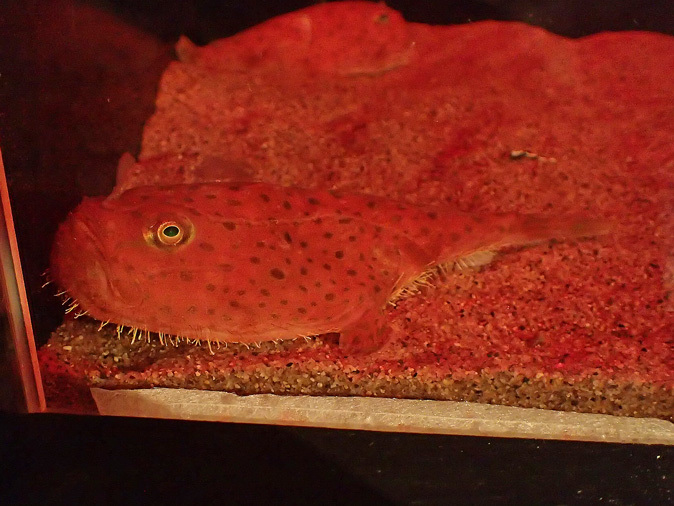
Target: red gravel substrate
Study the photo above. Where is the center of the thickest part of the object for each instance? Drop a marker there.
(351, 96)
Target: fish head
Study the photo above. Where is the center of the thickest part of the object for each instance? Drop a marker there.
(118, 257)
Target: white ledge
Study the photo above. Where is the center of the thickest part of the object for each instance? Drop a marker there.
(380, 414)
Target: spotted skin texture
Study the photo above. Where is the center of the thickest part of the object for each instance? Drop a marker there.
(254, 262)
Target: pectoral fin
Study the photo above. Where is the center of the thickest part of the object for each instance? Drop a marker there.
(366, 335)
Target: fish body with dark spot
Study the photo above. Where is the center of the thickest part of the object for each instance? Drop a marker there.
(253, 262)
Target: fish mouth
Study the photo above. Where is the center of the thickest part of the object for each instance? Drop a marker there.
(84, 265)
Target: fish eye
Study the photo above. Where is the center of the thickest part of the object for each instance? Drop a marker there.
(169, 233)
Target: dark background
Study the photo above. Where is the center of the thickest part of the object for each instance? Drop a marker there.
(55, 459)
(205, 20)
(77, 82)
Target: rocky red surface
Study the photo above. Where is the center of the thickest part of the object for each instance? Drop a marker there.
(490, 116)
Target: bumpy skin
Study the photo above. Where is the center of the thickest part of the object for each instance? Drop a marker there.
(260, 262)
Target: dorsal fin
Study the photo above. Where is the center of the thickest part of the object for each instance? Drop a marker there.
(184, 168)
(125, 169)
(125, 177)
(213, 169)
(186, 50)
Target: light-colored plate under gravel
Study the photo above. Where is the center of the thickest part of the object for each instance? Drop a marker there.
(389, 415)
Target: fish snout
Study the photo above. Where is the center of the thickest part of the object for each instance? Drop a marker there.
(81, 265)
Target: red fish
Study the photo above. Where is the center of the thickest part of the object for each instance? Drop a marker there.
(254, 262)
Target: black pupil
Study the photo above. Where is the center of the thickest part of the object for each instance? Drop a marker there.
(171, 231)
